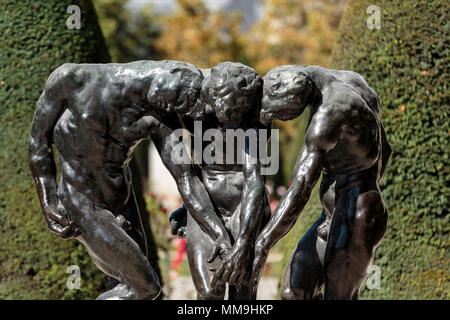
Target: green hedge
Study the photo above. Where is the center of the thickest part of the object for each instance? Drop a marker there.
(407, 63)
(34, 40)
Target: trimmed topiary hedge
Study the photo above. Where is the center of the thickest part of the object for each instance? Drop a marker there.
(407, 63)
(34, 40)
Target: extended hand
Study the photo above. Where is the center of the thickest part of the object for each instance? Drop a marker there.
(178, 222)
(234, 267)
(58, 223)
(258, 263)
(221, 246)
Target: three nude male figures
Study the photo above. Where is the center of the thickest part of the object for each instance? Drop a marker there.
(96, 114)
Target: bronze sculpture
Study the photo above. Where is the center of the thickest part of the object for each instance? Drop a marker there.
(231, 95)
(346, 142)
(96, 114)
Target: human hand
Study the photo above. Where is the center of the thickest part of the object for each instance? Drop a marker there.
(59, 223)
(221, 246)
(234, 267)
(178, 222)
(261, 253)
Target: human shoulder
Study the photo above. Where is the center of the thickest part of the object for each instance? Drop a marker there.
(359, 84)
(339, 107)
(60, 74)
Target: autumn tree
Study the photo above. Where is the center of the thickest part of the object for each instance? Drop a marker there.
(407, 62)
(129, 35)
(201, 37)
(294, 32)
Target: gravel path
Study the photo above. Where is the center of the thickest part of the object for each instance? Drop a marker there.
(182, 288)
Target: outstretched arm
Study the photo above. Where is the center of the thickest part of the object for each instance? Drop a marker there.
(41, 158)
(322, 135)
(306, 174)
(252, 200)
(191, 188)
(42, 163)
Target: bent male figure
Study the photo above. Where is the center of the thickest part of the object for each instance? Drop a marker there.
(95, 115)
(346, 142)
(232, 94)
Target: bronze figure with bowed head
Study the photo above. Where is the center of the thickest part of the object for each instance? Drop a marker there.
(231, 96)
(95, 115)
(346, 142)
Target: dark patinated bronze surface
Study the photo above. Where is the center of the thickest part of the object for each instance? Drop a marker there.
(346, 142)
(95, 115)
(231, 95)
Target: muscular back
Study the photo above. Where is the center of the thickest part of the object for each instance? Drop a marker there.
(100, 105)
(345, 124)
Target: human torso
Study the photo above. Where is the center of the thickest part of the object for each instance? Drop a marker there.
(353, 160)
(91, 135)
(223, 181)
(358, 139)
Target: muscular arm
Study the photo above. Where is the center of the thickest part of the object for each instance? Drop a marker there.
(191, 188)
(199, 205)
(322, 135)
(42, 163)
(386, 149)
(41, 158)
(252, 199)
(307, 172)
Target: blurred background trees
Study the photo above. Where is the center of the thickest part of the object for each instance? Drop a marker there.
(129, 36)
(195, 34)
(293, 32)
(34, 40)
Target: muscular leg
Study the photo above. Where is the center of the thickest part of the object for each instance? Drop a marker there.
(244, 292)
(110, 247)
(199, 247)
(132, 214)
(358, 226)
(303, 278)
